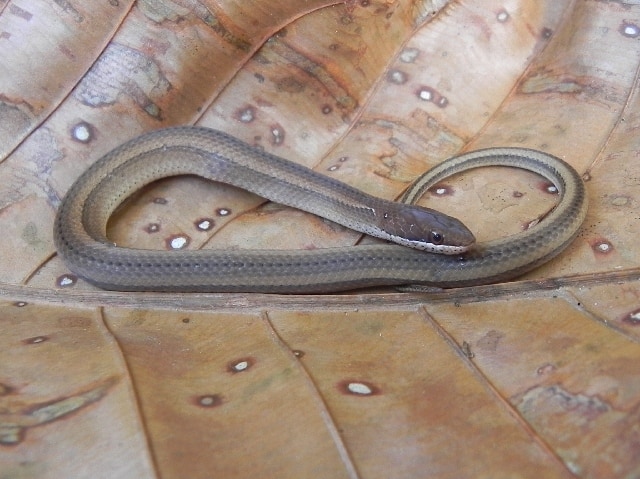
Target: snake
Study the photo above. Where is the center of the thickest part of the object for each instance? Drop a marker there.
(420, 246)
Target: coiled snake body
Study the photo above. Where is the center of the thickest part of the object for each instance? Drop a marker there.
(80, 225)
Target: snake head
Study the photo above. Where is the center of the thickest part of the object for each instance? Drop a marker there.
(428, 230)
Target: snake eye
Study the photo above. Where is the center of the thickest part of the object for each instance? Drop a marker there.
(436, 238)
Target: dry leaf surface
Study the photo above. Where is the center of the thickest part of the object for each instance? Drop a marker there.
(535, 378)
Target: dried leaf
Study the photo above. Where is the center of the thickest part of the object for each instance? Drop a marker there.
(534, 378)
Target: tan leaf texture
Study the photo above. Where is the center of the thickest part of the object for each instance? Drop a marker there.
(539, 377)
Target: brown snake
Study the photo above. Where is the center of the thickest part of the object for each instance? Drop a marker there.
(80, 225)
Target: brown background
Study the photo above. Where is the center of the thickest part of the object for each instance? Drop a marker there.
(535, 378)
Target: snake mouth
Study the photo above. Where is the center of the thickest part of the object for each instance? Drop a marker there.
(432, 247)
(445, 249)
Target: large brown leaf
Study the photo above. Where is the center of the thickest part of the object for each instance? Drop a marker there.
(535, 378)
